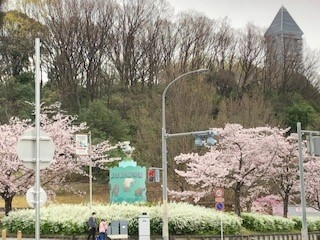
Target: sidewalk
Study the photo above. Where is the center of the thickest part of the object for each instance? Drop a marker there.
(41, 238)
(47, 238)
(11, 238)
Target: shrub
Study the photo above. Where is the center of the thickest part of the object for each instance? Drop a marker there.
(313, 223)
(267, 223)
(70, 219)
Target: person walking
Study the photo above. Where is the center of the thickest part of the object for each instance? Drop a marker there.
(103, 228)
(92, 224)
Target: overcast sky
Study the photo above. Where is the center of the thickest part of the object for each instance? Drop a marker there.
(306, 13)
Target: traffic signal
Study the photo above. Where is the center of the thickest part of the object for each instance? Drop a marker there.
(206, 139)
(198, 141)
(157, 175)
(151, 175)
(211, 141)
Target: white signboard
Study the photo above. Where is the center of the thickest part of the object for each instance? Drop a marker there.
(26, 149)
(82, 144)
(31, 197)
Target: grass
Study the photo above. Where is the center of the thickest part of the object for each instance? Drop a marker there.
(100, 194)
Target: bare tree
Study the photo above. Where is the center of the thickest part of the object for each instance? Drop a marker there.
(1, 12)
(77, 42)
(168, 43)
(251, 56)
(223, 43)
(136, 43)
(193, 32)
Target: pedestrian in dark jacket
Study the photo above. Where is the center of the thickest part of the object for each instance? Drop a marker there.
(92, 225)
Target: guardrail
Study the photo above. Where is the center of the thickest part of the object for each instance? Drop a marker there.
(267, 236)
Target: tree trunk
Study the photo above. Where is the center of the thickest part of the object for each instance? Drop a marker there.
(8, 204)
(285, 205)
(237, 206)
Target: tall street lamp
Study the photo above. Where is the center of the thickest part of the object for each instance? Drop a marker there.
(165, 227)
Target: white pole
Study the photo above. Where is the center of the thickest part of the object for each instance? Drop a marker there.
(90, 172)
(221, 227)
(37, 125)
(165, 218)
(304, 230)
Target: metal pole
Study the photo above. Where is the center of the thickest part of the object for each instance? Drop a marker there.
(169, 135)
(304, 230)
(221, 226)
(37, 123)
(165, 226)
(90, 171)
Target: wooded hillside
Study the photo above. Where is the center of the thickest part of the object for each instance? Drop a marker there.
(109, 62)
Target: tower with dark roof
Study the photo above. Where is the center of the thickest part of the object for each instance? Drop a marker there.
(283, 23)
(284, 38)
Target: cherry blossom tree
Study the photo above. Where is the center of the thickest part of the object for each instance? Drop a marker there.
(239, 162)
(267, 205)
(283, 177)
(17, 179)
(12, 178)
(312, 182)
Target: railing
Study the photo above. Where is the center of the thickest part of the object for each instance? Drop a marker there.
(266, 236)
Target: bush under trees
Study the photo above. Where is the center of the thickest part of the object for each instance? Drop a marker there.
(185, 219)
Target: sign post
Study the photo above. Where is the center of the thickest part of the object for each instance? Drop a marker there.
(82, 144)
(83, 148)
(30, 196)
(27, 153)
(35, 148)
(218, 192)
(219, 199)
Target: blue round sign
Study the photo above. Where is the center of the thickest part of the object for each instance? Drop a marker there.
(220, 206)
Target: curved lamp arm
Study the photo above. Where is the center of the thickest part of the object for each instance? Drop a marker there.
(165, 227)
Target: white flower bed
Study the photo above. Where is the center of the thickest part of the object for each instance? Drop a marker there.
(69, 219)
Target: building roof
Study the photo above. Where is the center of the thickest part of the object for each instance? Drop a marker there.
(283, 23)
